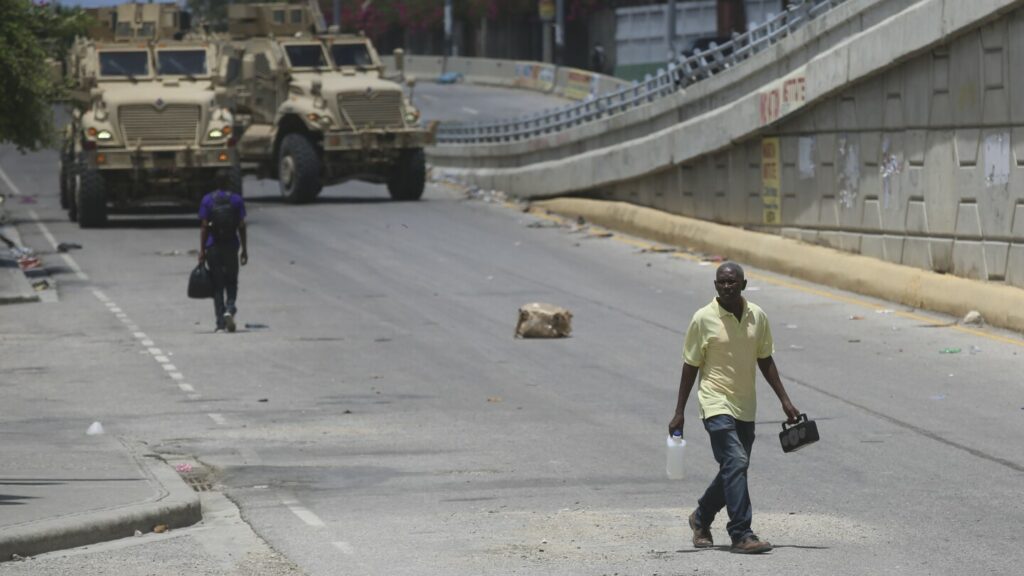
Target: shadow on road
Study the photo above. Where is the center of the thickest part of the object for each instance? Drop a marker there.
(321, 200)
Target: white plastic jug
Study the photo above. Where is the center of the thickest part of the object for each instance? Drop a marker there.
(675, 446)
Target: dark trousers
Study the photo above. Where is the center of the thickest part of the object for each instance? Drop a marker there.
(222, 260)
(731, 441)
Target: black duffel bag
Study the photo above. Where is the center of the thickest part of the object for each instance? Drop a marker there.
(199, 284)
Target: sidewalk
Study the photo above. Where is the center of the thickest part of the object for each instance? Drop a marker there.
(82, 490)
(14, 286)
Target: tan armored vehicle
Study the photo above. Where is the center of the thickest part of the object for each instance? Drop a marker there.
(150, 123)
(315, 107)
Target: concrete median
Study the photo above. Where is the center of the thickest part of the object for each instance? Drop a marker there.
(1001, 305)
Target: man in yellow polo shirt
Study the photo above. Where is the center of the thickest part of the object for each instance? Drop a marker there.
(725, 340)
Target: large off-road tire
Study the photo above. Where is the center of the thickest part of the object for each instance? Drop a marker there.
(66, 184)
(235, 172)
(298, 169)
(409, 176)
(72, 200)
(91, 200)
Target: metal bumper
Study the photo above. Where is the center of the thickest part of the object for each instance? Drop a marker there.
(161, 160)
(376, 140)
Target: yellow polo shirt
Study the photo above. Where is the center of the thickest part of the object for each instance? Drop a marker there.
(726, 351)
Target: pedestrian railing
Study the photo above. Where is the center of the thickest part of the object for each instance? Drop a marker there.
(683, 72)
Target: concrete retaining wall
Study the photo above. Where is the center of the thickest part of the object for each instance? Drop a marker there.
(904, 142)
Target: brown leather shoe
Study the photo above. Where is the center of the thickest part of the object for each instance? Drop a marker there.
(751, 545)
(701, 536)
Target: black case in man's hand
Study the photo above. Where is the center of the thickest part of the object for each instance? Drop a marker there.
(798, 435)
(199, 284)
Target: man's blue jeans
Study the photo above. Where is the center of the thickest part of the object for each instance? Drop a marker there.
(731, 441)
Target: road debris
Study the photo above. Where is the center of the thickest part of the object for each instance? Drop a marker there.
(949, 351)
(160, 528)
(795, 347)
(40, 285)
(973, 318)
(792, 326)
(974, 350)
(494, 399)
(249, 326)
(883, 311)
(95, 429)
(539, 320)
(856, 317)
(68, 246)
(184, 468)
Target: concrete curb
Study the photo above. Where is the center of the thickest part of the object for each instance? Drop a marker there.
(1001, 305)
(175, 505)
(14, 286)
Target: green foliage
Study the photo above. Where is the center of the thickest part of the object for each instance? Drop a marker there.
(31, 37)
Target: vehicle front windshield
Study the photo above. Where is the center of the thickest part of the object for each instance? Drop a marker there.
(351, 55)
(181, 62)
(305, 55)
(124, 63)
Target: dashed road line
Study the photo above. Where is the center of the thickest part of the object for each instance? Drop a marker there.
(218, 418)
(303, 513)
(185, 387)
(170, 367)
(53, 241)
(470, 111)
(345, 547)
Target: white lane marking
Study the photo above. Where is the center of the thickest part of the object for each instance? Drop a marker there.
(156, 352)
(304, 514)
(162, 359)
(126, 320)
(345, 547)
(120, 316)
(131, 326)
(141, 336)
(14, 189)
(53, 241)
(470, 111)
(170, 367)
(100, 295)
(147, 342)
(176, 375)
(186, 387)
(110, 304)
(219, 419)
(116, 310)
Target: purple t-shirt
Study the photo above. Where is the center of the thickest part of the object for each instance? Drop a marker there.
(207, 205)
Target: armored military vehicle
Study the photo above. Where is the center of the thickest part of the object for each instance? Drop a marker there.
(316, 108)
(151, 122)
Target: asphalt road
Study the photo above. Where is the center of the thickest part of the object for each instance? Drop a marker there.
(375, 415)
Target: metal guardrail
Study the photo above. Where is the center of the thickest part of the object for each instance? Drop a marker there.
(679, 74)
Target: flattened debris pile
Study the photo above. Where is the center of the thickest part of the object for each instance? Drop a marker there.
(538, 320)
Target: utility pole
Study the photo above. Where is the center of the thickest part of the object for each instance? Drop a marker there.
(560, 32)
(670, 29)
(336, 9)
(448, 28)
(546, 11)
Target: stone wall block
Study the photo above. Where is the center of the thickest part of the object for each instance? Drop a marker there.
(1015, 63)
(941, 192)
(965, 79)
(1015, 265)
(917, 90)
(942, 254)
(893, 248)
(968, 141)
(996, 254)
(872, 245)
(917, 252)
(968, 259)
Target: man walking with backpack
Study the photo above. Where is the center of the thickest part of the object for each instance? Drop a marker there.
(221, 234)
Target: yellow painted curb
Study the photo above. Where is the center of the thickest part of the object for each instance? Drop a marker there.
(1001, 305)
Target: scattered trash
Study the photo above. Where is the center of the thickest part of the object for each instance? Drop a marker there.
(264, 400)
(581, 221)
(659, 250)
(29, 263)
(17, 557)
(249, 326)
(537, 320)
(40, 285)
(795, 347)
(973, 318)
(792, 326)
(753, 289)
(938, 397)
(184, 468)
(543, 224)
(68, 247)
(601, 234)
(347, 412)
(854, 341)
(713, 258)
(138, 533)
(974, 350)
(494, 399)
(856, 317)
(27, 199)
(95, 429)
(169, 253)
(883, 311)
(160, 528)
(949, 351)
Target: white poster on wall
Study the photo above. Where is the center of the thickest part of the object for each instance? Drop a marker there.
(805, 157)
(997, 159)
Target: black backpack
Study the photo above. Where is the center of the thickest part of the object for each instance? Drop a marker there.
(223, 218)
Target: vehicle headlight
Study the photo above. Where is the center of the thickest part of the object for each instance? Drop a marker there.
(104, 135)
(217, 133)
(412, 117)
